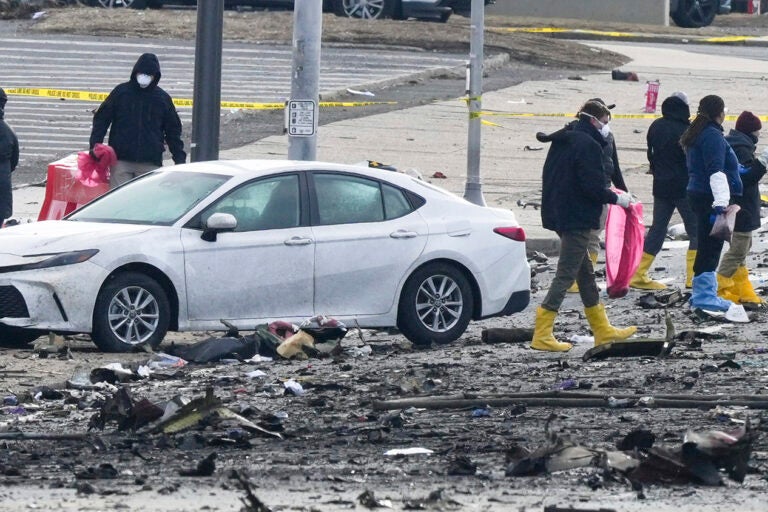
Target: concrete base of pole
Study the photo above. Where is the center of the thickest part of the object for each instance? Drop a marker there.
(474, 194)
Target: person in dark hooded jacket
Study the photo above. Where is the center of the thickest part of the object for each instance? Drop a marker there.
(613, 176)
(9, 159)
(670, 178)
(573, 194)
(141, 119)
(732, 274)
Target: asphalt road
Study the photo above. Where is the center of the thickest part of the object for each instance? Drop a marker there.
(51, 127)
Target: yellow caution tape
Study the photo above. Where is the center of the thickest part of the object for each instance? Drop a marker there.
(555, 30)
(101, 96)
(569, 114)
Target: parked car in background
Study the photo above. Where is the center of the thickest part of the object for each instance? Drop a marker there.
(184, 247)
(437, 10)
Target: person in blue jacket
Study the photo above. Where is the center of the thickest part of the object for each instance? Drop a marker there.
(141, 119)
(713, 181)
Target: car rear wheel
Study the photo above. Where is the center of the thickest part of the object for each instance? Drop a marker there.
(364, 9)
(17, 337)
(435, 305)
(131, 310)
(695, 13)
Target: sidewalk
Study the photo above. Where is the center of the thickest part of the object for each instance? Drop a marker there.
(433, 137)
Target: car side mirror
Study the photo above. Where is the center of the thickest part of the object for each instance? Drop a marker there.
(218, 223)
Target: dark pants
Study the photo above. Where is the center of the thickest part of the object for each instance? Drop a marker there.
(574, 265)
(663, 209)
(708, 254)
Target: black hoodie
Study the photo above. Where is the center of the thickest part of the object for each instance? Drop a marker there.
(142, 120)
(574, 188)
(744, 145)
(666, 156)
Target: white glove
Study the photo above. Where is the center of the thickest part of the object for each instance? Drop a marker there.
(718, 182)
(623, 199)
(763, 157)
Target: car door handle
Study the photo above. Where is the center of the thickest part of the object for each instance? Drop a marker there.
(298, 240)
(401, 233)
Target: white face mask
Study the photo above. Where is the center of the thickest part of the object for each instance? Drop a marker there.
(144, 80)
(605, 130)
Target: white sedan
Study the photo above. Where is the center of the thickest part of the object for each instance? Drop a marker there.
(184, 247)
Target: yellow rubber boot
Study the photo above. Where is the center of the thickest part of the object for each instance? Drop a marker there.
(641, 280)
(744, 288)
(602, 329)
(543, 339)
(726, 287)
(690, 257)
(575, 287)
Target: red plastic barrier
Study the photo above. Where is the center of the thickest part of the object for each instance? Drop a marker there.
(64, 193)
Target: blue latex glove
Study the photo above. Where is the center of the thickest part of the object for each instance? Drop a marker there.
(716, 210)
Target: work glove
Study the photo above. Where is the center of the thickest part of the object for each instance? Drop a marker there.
(623, 199)
(763, 157)
(718, 182)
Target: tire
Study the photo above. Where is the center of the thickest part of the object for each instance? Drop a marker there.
(133, 4)
(364, 9)
(695, 13)
(435, 305)
(17, 337)
(119, 325)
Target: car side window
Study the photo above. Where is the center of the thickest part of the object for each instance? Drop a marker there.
(271, 203)
(395, 203)
(343, 199)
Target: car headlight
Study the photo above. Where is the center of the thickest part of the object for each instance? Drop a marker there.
(53, 260)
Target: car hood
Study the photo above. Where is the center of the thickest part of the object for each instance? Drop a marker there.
(56, 236)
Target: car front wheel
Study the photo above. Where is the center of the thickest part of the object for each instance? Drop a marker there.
(17, 337)
(364, 9)
(435, 305)
(131, 310)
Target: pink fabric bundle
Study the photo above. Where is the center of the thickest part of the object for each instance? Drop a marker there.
(624, 237)
(94, 172)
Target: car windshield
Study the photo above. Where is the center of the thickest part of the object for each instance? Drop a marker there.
(158, 198)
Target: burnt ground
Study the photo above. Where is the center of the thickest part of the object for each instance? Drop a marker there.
(54, 455)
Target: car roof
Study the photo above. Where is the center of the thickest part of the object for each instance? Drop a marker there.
(246, 169)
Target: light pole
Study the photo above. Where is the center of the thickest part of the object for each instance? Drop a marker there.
(473, 191)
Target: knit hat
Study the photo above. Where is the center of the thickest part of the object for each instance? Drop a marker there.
(3, 98)
(600, 100)
(748, 122)
(682, 96)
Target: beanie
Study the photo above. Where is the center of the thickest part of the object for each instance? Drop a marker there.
(3, 97)
(682, 96)
(748, 122)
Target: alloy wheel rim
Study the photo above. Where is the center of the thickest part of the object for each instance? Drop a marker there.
(133, 315)
(365, 9)
(439, 303)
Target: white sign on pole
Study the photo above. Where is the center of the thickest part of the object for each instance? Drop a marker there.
(301, 118)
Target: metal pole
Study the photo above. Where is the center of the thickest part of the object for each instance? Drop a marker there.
(473, 191)
(305, 77)
(206, 107)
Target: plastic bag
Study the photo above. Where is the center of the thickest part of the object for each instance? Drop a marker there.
(722, 228)
(94, 172)
(624, 237)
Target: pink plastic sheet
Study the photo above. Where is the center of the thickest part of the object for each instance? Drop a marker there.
(624, 237)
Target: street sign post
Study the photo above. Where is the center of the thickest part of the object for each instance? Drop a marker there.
(302, 121)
